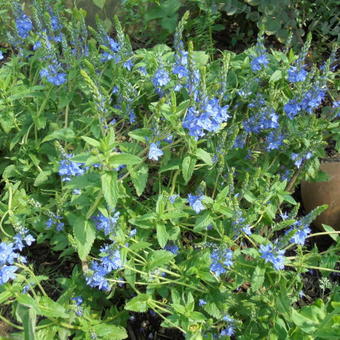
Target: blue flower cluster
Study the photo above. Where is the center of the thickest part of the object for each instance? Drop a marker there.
(106, 224)
(259, 63)
(274, 140)
(270, 254)
(154, 152)
(221, 259)
(297, 74)
(264, 118)
(53, 75)
(68, 168)
(195, 202)
(110, 260)
(160, 78)
(113, 47)
(300, 158)
(78, 301)
(301, 232)
(209, 117)
(55, 221)
(172, 248)
(9, 254)
(230, 329)
(23, 25)
(1, 55)
(310, 101)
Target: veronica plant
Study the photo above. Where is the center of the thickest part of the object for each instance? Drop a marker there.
(162, 178)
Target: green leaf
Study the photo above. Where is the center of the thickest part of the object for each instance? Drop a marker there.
(99, 3)
(110, 332)
(159, 258)
(28, 318)
(84, 234)
(124, 159)
(63, 134)
(141, 134)
(188, 166)
(138, 303)
(42, 178)
(162, 235)
(91, 141)
(203, 221)
(330, 229)
(110, 188)
(139, 178)
(276, 76)
(204, 156)
(257, 278)
(50, 308)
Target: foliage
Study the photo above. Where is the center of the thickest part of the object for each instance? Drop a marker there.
(161, 177)
(286, 20)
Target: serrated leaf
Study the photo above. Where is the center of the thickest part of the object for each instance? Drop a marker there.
(62, 134)
(110, 332)
(162, 235)
(84, 234)
(277, 75)
(159, 258)
(99, 3)
(212, 309)
(42, 178)
(257, 278)
(203, 221)
(124, 159)
(139, 178)
(91, 141)
(110, 188)
(204, 156)
(188, 166)
(138, 303)
(330, 229)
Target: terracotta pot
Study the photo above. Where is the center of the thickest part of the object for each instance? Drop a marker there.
(319, 193)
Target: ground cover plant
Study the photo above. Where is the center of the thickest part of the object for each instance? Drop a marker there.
(156, 184)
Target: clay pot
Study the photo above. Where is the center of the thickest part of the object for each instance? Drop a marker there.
(319, 193)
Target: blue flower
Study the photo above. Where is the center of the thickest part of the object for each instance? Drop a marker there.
(24, 25)
(270, 254)
(96, 276)
(335, 104)
(195, 203)
(111, 259)
(312, 99)
(292, 108)
(172, 248)
(106, 224)
(68, 169)
(296, 74)
(7, 273)
(300, 235)
(229, 331)
(1, 55)
(173, 198)
(52, 75)
(155, 152)
(161, 78)
(246, 230)
(259, 62)
(221, 259)
(78, 300)
(202, 302)
(7, 253)
(56, 26)
(274, 141)
(128, 64)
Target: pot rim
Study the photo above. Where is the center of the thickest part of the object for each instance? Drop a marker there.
(330, 160)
